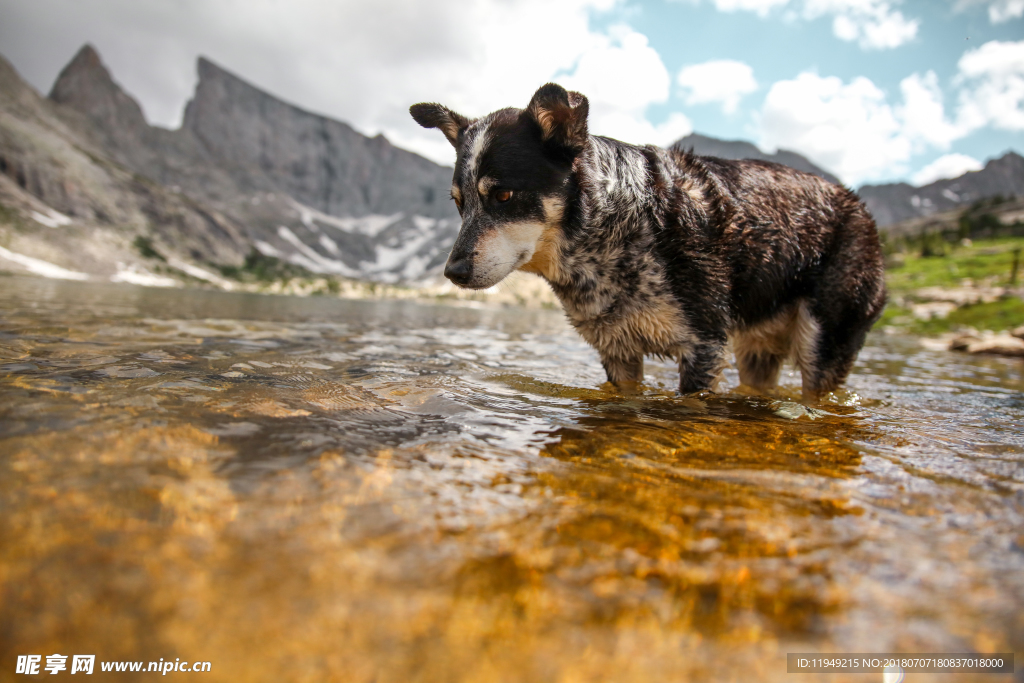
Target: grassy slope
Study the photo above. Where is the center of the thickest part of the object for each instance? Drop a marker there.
(985, 263)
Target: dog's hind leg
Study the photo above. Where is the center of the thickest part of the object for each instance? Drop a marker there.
(622, 371)
(826, 344)
(826, 358)
(821, 368)
(701, 365)
(759, 369)
(848, 297)
(761, 349)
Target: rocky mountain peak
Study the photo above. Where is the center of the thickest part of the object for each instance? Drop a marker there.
(15, 90)
(322, 162)
(898, 202)
(86, 85)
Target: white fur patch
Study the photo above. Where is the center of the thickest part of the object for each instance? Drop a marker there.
(475, 150)
(806, 332)
(503, 250)
(695, 192)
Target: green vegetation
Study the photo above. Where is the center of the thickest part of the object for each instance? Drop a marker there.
(980, 221)
(7, 215)
(983, 262)
(980, 251)
(1006, 313)
(977, 248)
(259, 267)
(145, 247)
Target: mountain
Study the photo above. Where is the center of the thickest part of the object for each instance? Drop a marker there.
(310, 189)
(89, 189)
(898, 202)
(253, 170)
(739, 149)
(320, 162)
(66, 205)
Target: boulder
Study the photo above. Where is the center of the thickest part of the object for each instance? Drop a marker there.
(1002, 345)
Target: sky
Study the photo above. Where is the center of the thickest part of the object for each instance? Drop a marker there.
(872, 90)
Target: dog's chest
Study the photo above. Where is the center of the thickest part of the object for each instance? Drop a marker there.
(620, 301)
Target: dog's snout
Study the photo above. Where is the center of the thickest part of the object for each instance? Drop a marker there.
(459, 271)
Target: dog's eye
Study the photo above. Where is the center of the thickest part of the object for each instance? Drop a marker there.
(503, 195)
(458, 204)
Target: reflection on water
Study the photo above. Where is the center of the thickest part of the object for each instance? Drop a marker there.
(319, 490)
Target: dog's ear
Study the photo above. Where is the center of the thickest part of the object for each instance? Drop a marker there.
(432, 115)
(561, 115)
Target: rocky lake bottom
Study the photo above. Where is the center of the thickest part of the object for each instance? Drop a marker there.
(311, 489)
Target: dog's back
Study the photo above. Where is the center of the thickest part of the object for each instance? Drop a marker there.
(803, 263)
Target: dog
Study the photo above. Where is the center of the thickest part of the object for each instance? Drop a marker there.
(663, 252)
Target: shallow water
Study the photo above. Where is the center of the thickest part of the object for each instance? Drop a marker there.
(321, 490)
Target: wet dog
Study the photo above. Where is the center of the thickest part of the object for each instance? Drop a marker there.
(663, 252)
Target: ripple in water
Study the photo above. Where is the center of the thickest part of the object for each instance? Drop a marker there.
(312, 489)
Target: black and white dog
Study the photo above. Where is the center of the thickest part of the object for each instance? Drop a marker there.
(662, 252)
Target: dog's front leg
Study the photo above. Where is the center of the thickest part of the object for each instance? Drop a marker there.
(701, 365)
(622, 372)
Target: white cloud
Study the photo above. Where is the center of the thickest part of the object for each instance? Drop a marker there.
(761, 7)
(946, 166)
(992, 77)
(923, 115)
(999, 11)
(872, 24)
(361, 62)
(1005, 10)
(852, 129)
(849, 129)
(622, 75)
(724, 81)
(628, 127)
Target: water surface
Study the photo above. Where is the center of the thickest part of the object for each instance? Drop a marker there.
(321, 490)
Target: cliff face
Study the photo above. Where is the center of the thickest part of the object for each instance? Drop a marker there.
(65, 200)
(323, 163)
(93, 104)
(86, 85)
(265, 174)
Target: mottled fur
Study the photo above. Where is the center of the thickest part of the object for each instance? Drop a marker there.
(663, 252)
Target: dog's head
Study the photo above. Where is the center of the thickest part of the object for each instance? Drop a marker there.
(511, 173)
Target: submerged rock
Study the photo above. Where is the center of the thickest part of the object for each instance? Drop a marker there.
(794, 411)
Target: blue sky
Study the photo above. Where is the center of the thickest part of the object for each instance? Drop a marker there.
(873, 90)
(782, 43)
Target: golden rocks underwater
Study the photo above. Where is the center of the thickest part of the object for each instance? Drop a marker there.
(320, 490)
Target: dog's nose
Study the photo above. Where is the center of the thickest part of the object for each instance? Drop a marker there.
(459, 271)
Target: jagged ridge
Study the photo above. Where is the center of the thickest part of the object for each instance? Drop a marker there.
(897, 202)
(308, 188)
